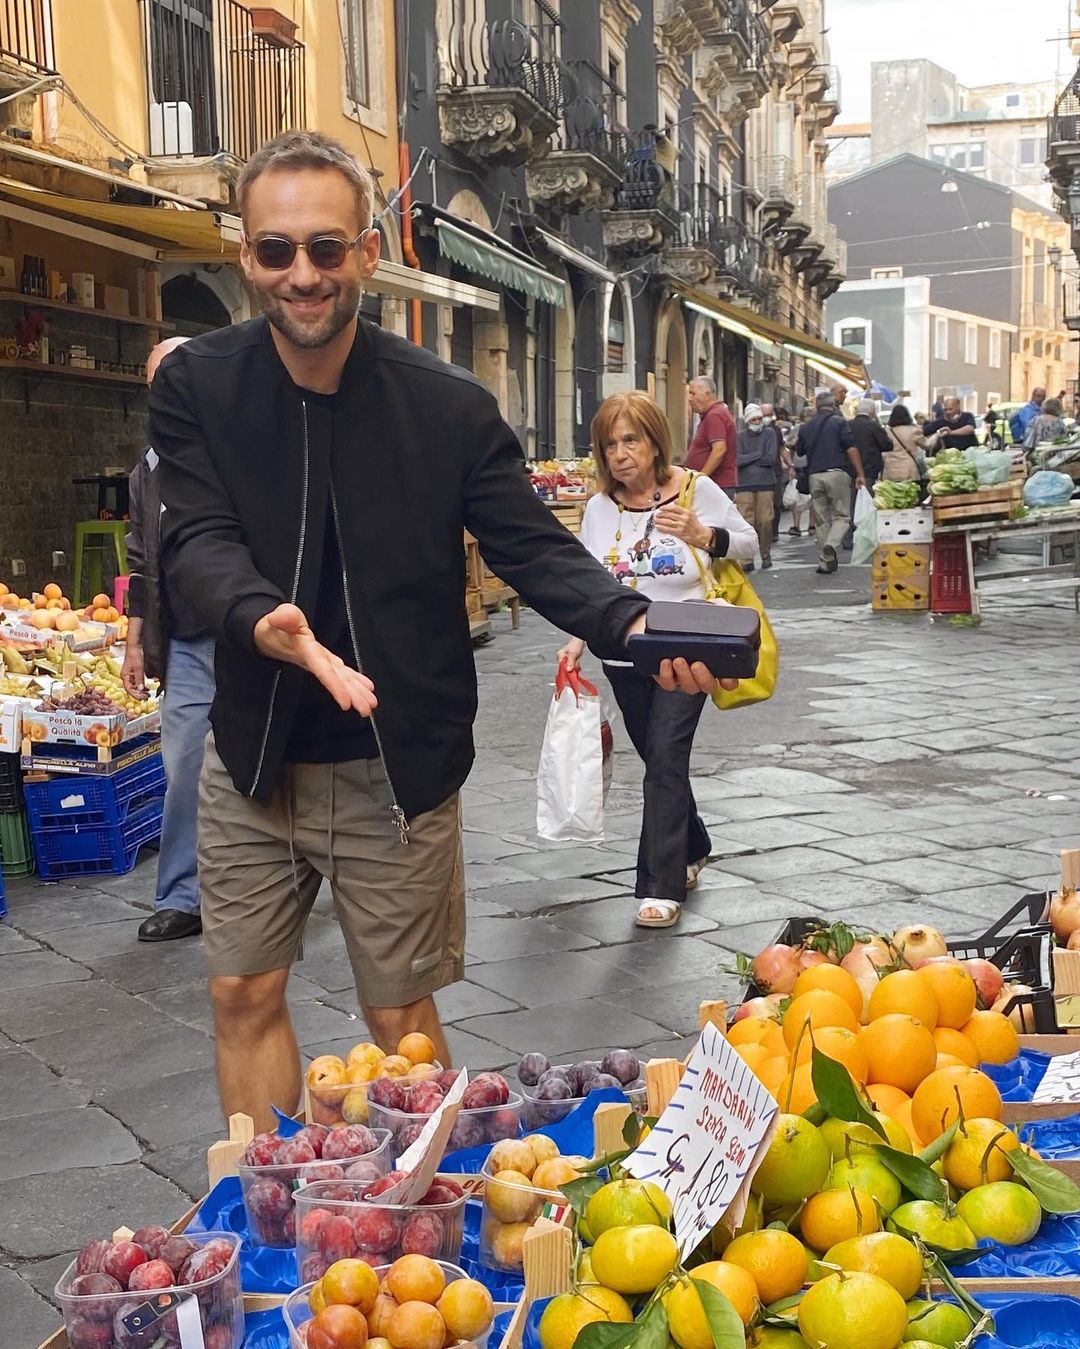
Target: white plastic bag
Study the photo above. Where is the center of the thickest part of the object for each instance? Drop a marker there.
(865, 529)
(570, 779)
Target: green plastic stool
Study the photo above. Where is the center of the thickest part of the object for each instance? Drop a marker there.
(90, 537)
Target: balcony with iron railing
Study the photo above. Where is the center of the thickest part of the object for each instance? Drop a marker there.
(690, 22)
(645, 212)
(777, 182)
(743, 51)
(214, 85)
(26, 41)
(741, 270)
(501, 85)
(588, 152)
(1070, 301)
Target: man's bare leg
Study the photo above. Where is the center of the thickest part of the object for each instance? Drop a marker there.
(258, 1061)
(389, 1024)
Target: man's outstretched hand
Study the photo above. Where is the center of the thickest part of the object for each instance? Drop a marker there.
(284, 635)
(679, 674)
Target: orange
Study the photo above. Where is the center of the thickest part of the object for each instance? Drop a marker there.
(773, 1073)
(841, 1044)
(976, 1155)
(994, 1037)
(903, 1118)
(758, 1030)
(954, 989)
(686, 1315)
(936, 1103)
(950, 1061)
(887, 1099)
(819, 1007)
(754, 1056)
(957, 1044)
(800, 1085)
(905, 991)
(834, 980)
(775, 1260)
(837, 1215)
(899, 1048)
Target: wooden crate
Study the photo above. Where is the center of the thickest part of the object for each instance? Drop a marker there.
(988, 503)
(568, 513)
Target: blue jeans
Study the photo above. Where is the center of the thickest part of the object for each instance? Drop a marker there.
(185, 724)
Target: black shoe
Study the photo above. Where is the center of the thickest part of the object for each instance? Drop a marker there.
(748, 566)
(766, 563)
(848, 543)
(829, 557)
(170, 925)
(825, 571)
(795, 533)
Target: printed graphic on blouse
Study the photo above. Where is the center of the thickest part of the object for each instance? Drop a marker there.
(651, 555)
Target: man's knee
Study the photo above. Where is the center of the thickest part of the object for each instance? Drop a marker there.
(389, 1024)
(247, 1003)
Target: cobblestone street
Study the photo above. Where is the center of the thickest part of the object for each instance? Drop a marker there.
(887, 782)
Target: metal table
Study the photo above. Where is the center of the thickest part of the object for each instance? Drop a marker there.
(1032, 579)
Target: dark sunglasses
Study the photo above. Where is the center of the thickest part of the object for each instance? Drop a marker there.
(276, 252)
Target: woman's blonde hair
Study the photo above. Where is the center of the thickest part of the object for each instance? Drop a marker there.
(647, 418)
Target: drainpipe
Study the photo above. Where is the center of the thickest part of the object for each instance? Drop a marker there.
(416, 312)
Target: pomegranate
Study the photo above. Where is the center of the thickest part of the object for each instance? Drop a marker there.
(1020, 1015)
(864, 961)
(769, 1006)
(919, 943)
(1065, 914)
(989, 980)
(808, 959)
(776, 968)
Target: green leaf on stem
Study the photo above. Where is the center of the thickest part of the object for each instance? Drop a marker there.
(940, 1146)
(724, 1322)
(836, 1092)
(1054, 1191)
(912, 1173)
(631, 1130)
(937, 1269)
(579, 1192)
(654, 1327)
(608, 1335)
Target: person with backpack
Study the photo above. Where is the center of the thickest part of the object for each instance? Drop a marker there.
(832, 460)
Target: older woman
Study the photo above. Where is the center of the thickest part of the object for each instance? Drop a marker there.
(636, 526)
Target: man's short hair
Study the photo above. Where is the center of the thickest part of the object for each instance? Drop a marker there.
(704, 382)
(824, 400)
(309, 150)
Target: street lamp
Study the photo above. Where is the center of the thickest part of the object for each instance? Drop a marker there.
(949, 184)
(1054, 255)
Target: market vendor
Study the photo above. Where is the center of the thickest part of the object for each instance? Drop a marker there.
(316, 533)
(955, 428)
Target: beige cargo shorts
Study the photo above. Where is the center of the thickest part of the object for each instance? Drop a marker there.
(401, 907)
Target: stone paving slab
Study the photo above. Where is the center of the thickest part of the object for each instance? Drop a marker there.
(28, 1318)
(36, 969)
(30, 1087)
(54, 1142)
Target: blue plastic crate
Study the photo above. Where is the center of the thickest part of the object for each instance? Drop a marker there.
(84, 802)
(97, 850)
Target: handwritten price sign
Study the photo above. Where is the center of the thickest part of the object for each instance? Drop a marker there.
(705, 1147)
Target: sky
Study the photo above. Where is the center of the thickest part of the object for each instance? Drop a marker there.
(980, 41)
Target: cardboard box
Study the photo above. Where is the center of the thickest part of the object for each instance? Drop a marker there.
(88, 636)
(909, 594)
(891, 560)
(113, 299)
(914, 526)
(82, 283)
(79, 728)
(11, 714)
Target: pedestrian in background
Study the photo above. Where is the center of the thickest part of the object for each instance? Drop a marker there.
(955, 428)
(636, 516)
(166, 641)
(1023, 417)
(872, 443)
(759, 453)
(831, 460)
(1048, 425)
(797, 460)
(905, 459)
(713, 444)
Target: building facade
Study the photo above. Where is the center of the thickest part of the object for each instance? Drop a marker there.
(989, 258)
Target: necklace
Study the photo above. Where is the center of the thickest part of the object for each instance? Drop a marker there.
(649, 525)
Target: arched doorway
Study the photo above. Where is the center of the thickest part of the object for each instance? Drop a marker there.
(672, 373)
(192, 306)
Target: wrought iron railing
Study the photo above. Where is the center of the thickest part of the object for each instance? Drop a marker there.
(213, 85)
(777, 179)
(647, 184)
(743, 258)
(1070, 300)
(505, 53)
(702, 212)
(26, 35)
(590, 125)
(832, 86)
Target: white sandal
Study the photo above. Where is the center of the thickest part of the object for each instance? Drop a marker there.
(669, 910)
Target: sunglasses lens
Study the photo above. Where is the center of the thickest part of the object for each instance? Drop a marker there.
(327, 254)
(274, 254)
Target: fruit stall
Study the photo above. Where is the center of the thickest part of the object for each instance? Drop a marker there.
(880, 1145)
(64, 715)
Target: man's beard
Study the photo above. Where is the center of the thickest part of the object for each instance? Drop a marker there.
(346, 302)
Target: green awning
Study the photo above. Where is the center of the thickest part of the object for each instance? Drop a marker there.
(498, 264)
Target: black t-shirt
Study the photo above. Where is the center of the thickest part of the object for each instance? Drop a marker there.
(321, 731)
(957, 435)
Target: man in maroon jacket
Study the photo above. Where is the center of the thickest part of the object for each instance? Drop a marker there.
(713, 447)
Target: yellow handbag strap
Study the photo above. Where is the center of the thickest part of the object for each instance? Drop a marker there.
(686, 501)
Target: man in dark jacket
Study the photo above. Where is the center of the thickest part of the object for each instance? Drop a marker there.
(167, 642)
(316, 528)
(831, 459)
(872, 442)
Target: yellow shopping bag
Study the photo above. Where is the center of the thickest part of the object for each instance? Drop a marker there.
(727, 581)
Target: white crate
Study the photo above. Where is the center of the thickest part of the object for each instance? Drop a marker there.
(914, 526)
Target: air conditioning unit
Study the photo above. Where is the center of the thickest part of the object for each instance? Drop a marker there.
(171, 129)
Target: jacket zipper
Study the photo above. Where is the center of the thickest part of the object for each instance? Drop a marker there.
(295, 592)
(396, 812)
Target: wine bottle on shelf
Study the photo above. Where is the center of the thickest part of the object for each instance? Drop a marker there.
(24, 276)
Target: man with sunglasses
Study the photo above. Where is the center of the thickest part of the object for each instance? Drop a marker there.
(317, 531)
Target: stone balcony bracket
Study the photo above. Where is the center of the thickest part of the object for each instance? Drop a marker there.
(211, 179)
(636, 233)
(693, 266)
(499, 126)
(570, 181)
